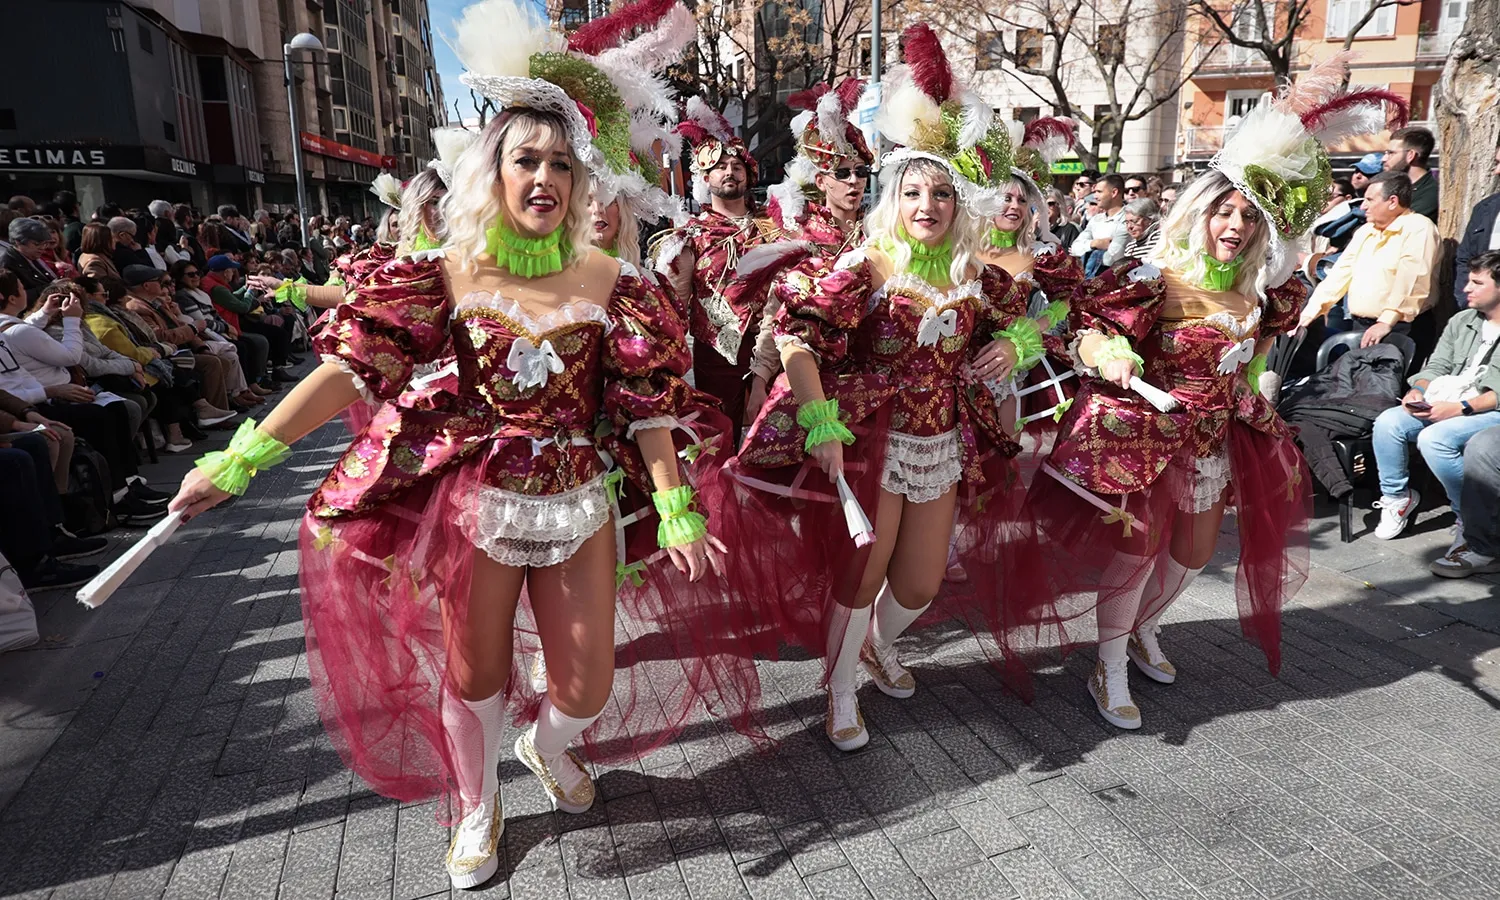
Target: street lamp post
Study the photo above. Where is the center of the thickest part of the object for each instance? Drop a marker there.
(309, 42)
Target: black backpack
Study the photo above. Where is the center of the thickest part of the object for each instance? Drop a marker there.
(86, 505)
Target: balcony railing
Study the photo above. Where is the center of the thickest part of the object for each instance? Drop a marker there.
(1231, 57)
(1202, 140)
(1435, 46)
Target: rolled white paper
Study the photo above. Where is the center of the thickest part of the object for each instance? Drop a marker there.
(1163, 401)
(106, 582)
(854, 515)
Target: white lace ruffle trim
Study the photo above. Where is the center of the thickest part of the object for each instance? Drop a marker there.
(653, 422)
(359, 383)
(535, 530)
(569, 314)
(1210, 477)
(921, 469)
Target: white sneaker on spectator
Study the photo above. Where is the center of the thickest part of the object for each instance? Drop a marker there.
(177, 448)
(1396, 513)
(1461, 562)
(1456, 533)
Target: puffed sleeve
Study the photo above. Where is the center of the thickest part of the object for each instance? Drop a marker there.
(395, 321)
(1125, 300)
(1283, 307)
(821, 305)
(1004, 302)
(645, 357)
(1057, 273)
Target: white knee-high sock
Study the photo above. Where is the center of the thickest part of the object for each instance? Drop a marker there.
(1120, 589)
(846, 653)
(555, 730)
(474, 728)
(891, 619)
(1164, 592)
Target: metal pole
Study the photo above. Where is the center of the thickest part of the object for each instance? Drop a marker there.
(291, 105)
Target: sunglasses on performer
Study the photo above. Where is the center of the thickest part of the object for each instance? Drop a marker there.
(842, 173)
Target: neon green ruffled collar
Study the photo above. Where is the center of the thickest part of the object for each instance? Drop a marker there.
(931, 264)
(523, 256)
(1220, 276)
(1002, 239)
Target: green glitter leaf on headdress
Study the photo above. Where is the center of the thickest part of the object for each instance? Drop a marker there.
(583, 81)
(1294, 204)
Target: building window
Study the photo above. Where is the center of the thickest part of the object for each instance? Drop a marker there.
(1111, 44)
(1344, 14)
(340, 119)
(991, 50)
(1026, 114)
(1237, 104)
(1454, 14)
(1106, 129)
(143, 33)
(169, 131)
(331, 39)
(1028, 47)
(863, 50)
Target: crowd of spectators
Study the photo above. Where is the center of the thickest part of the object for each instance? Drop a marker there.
(130, 333)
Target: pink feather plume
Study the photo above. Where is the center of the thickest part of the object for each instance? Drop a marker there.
(807, 99)
(695, 133)
(608, 31)
(1321, 117)
(1048, 129)
(849, 91)
(928, 63)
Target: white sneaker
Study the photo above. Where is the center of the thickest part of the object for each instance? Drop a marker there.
(539, 673)
(845, 725)
(1461, 562)
(1396, 513)
(1144, 650)
(183, 447)
(473, 856)
(1456, 533)
(564, 777)
(1110, 688)
(885, 668)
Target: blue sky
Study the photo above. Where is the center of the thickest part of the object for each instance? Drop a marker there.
(442, 14)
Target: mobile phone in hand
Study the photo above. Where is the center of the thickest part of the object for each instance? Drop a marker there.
(1418, 406)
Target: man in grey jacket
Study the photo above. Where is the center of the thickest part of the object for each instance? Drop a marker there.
(1451, 400)
(1478, 549)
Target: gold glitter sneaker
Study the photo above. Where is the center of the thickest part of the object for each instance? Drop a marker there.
(890, 676)
(1110, 688)
(1145, 652)
(565, 778)
(473, 856)
(539, 673)
(846, 724)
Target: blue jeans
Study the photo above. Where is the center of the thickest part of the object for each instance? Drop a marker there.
(1441, 444)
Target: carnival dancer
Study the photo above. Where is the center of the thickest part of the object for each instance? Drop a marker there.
(1020, 242)
(699, 259)
(1151, 477)
(433, 527)
(834, 169)
(884, 349)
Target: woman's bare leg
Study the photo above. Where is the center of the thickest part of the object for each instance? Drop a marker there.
(917, 567)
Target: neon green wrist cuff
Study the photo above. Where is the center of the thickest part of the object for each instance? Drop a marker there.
(293, 292)
(680, 523)
(231, 469)
(1255, 369)
(1056, 313)
(1118, 347)
(821, 419)
(1024, 334)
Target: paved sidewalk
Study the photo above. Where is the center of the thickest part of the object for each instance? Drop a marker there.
(167, 745)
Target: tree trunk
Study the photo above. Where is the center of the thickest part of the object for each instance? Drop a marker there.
(1468, 116)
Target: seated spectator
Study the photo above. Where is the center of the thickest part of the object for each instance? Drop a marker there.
(32, 536)
(175, 390)
(254, 349)
(1369, 165)
(55, 258)
(1168, 197)
(1142, 219)
(1451, 400)
(23, 205)
(1333, 229)
(213, 342)
(128, 251)
(59, 440)
(1410, 153)
(106, 428)
(242, 310)
(159, 208)
(1479, 235)
(67, 204)
(96, 252)
(1386, 269)
(1059, 218)
(1477, 550)
(29, 240)
(149, 233)
(171, 244)
(145, 287)
(102, 367)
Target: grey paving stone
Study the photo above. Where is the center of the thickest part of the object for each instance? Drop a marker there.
(979, 881)
(837, 884)
(939, 853)
(710, 874)
(1033, 877)
(772, 877)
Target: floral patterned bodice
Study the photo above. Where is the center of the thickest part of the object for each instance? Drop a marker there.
(531, 393)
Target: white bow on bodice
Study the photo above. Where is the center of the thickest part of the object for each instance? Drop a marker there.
(1237, 356)
(937, 325)
(533, 365)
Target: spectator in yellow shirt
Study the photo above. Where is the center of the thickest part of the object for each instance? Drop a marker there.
(1386, 270)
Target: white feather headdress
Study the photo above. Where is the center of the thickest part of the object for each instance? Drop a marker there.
(388, 188)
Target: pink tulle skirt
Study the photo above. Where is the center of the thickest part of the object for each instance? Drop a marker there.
(1269, 490)
(378, 590)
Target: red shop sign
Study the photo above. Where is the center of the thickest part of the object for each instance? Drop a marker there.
(314, 143)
